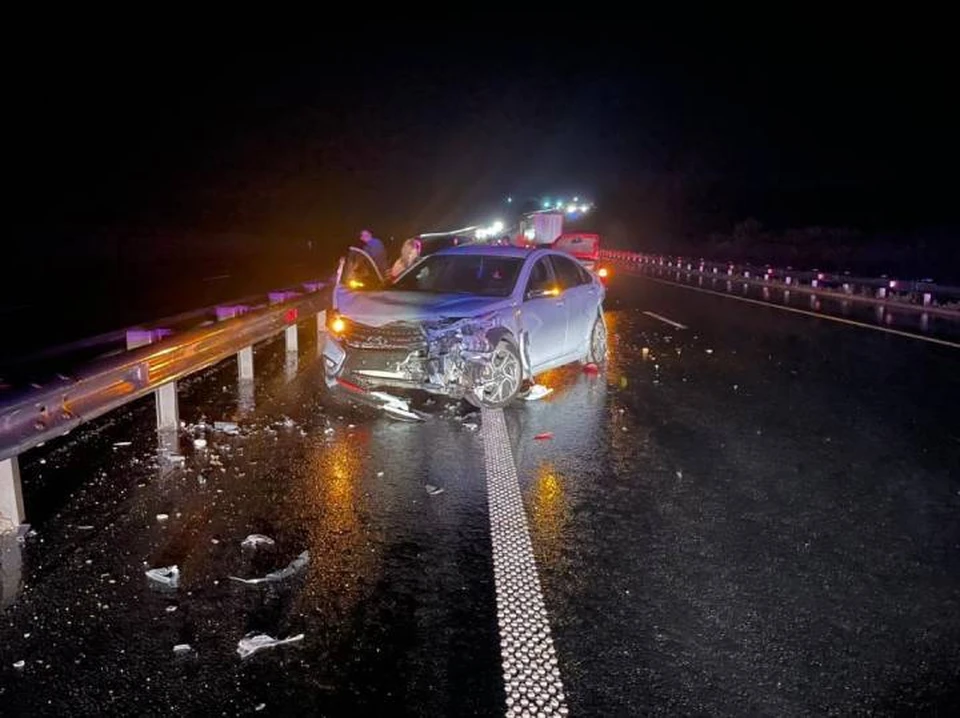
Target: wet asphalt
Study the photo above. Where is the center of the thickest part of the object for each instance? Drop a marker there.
(755, 515)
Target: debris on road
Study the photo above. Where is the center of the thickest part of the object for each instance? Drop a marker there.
(117, 444)
(396, 407)
(162, 517)
(591, 368)
(253, 642)
(19, 664)
(545, 436)
(254, 540)
(226, 427)
(297, 565)
(537, 392)
(182, 648)
(199, 443)
(167, 576)
(433, 490)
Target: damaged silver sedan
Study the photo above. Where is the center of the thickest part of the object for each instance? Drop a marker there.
(475, 323)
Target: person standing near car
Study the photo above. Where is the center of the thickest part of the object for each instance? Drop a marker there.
(374, 247)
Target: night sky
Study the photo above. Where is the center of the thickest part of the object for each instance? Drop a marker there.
(404, 133)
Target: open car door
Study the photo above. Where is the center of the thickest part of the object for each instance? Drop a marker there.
(357, 273)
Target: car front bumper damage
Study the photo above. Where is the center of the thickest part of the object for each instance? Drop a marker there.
(446, 358)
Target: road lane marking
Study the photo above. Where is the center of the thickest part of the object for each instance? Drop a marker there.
(807, 312)
(675, 325)
(531, 675)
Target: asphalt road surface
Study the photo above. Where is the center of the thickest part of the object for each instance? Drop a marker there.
(754, 514)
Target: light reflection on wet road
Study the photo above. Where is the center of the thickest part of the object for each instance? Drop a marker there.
(753, 515)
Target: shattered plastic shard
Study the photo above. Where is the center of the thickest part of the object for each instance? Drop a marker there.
(254, 540)
(167, 576)
(538, 391)
(433, 490)
(546, 435)
(227, 427)
(297, 565)
(253, 642)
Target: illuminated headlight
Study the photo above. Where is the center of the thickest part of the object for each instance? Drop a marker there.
(336, 324)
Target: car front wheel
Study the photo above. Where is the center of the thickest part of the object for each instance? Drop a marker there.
(499, 381)
(597, 353)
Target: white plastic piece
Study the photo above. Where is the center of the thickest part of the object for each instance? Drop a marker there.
(167, 576)
(537, 392)
(251, 643)
(255, 540)
(297, 565)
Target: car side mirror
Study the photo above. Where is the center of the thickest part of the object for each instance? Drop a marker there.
(543, 293)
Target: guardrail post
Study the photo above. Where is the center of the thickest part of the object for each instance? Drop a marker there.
(244, 356)
(11, 492)
(290, 336)
(168, 410)
(245, 362)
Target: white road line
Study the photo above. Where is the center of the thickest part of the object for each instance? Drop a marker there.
(530, 673)
(675, 325)
(807, 312)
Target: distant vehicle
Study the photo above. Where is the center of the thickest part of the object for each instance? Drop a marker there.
(477, 323)
(585, 248)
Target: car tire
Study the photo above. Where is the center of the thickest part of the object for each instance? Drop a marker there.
(597, 348)
(501, 381)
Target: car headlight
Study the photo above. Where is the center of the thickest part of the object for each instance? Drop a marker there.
(336, 324)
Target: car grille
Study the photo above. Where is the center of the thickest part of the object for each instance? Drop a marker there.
(390, 336)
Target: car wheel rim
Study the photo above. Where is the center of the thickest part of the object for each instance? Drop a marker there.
(598, 345)
(502, 377)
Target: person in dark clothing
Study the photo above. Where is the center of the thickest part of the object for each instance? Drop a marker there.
(374, 247)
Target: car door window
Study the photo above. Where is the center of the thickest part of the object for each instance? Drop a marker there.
(541, 277)
(360, 271)
(568, 274)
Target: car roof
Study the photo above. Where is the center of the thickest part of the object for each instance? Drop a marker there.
(488, 250)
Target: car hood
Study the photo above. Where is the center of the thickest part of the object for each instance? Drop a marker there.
(375, 309)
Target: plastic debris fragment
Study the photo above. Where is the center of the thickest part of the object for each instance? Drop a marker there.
(591, 369)
(200, 443)
(545, 436)
(253, 642)
(19, 664)
(162, 517)
(397, 407)
(433, 490)
(227, 427)
(254, 540)
(168, 575)
(295, 566)
(182, 648)
(537, 392)
(122, 443)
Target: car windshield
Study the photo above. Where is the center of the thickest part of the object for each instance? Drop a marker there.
(485, 275)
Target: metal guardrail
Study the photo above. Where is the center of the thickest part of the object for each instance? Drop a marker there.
(33, 415)
(913, 294)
